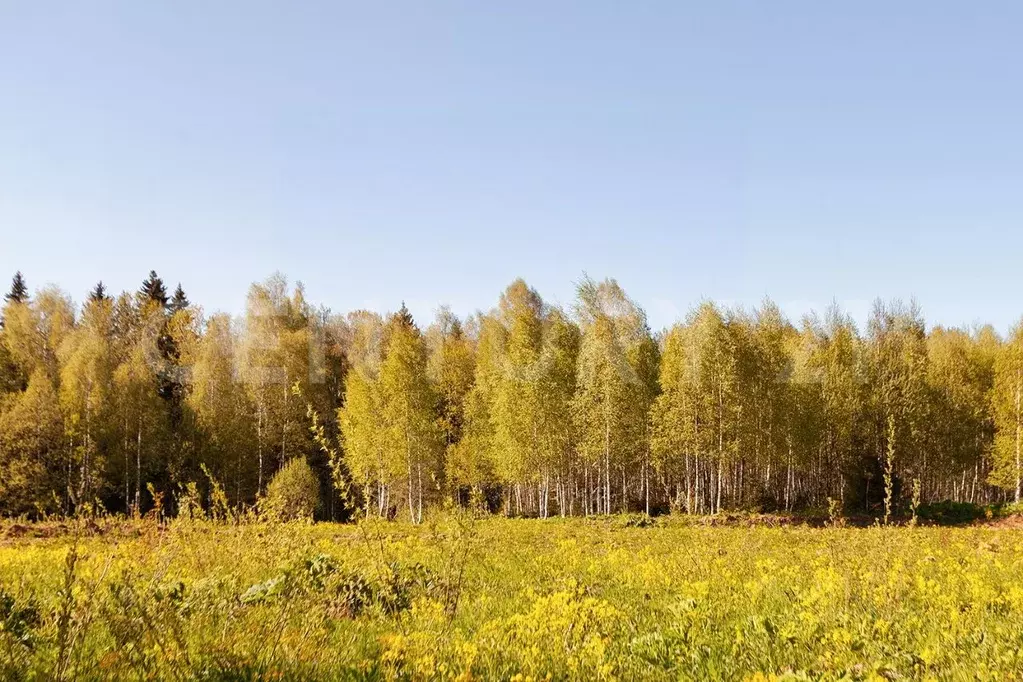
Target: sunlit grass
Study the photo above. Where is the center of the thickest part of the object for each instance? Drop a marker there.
(458, 598)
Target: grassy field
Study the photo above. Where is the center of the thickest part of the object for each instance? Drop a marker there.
(457, 598)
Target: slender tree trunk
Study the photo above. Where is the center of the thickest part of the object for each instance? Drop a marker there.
(697, 498)
(586, 489)
(408, 463)
(1019, 428)
(419, 475)
(607, 455)
(284, 421)
(85, 491)
(646, 488)
(127, 469)
(138, 464)
(259, 446)
(68, 490)
(718, 504)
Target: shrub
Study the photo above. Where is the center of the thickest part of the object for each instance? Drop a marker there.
(950, 513)
(293, 494)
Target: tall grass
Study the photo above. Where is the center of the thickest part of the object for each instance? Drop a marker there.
(467, 598)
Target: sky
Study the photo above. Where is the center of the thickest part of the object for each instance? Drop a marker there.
(432, 152)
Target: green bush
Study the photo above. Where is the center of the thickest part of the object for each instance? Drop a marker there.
(293, 494)
(949, 513)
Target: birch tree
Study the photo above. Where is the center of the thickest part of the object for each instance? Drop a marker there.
(412, 439)
(1007, 398)
(85, 386)
(613, 393)
(360, 417)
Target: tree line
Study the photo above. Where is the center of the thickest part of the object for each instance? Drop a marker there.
(129, 401)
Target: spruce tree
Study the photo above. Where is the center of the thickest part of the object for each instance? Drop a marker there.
(179, 301)
(153, 289)
(404, 318)
(19, 291)
(98, 293)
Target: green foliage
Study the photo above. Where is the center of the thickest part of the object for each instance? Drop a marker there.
(31, 431)
(339, 482)
(86, 385)
(411, 438)
(528, 408)
(473, 460)
(224, 433)
(451, 365)
(615, 384)
(951, 513)
(1007, 399)
(19, 619)
(274, 356)
(293, 494)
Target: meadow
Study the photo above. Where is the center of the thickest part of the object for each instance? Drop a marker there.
(463, 598)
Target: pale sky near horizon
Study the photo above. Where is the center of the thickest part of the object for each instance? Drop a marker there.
(433, 151)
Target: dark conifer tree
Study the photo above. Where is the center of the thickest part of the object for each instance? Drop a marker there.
(98, 293)
(19, 291)
(179, 301)
(153, 289)
(404, 317)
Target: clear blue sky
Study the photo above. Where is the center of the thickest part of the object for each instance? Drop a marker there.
(434, 151)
